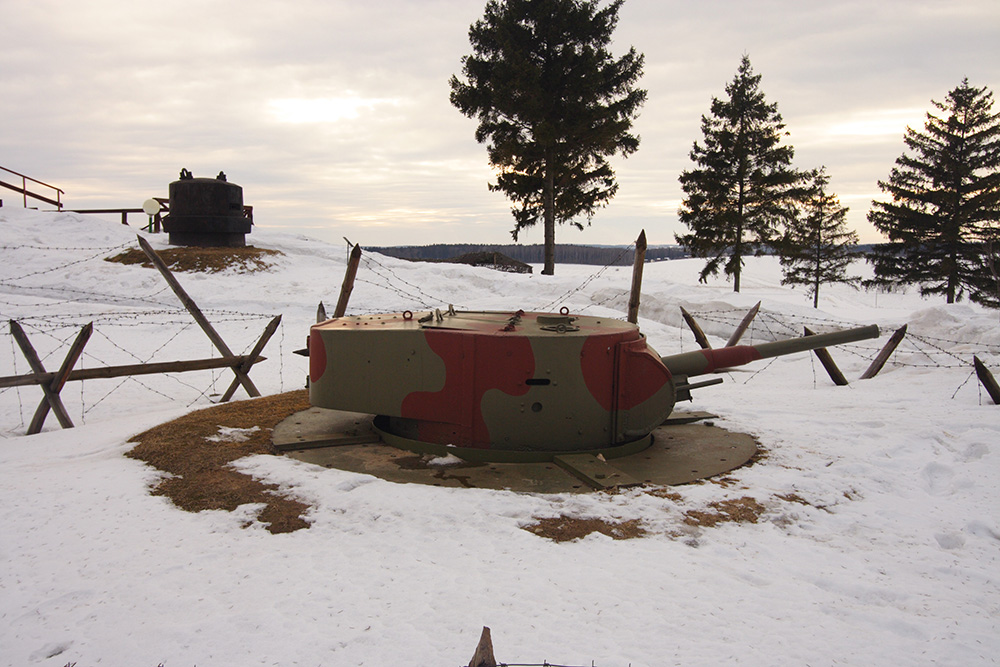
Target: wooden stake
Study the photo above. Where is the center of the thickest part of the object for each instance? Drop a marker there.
(196, 313)
(741, 329)
(699, 335)
(483, 657)
(320, 313)
(883, 356)
(831, 367)
(640, 259)
(348, 286)
(987, 379)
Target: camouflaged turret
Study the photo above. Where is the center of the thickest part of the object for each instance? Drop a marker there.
(515, 381)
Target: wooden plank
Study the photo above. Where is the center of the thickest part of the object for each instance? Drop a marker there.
(699, 335)
(196, 313)
(106, 372)
(244, 368)
(828, 363)
(596, 472)
(348, 286)
(640, 260)
(741, 329)
(884, 355)
(987, 380)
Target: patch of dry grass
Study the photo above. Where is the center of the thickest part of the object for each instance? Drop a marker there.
(738, 510)
(566, 528)
(200, 478)
(244, 259)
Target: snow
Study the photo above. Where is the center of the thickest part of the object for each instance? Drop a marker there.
(879, 544)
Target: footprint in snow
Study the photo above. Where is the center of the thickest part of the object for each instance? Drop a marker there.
(937, 478)
(950, 540)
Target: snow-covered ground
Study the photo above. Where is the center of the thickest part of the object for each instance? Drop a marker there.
(879, 545)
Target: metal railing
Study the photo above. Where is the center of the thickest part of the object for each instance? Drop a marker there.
(25, 192)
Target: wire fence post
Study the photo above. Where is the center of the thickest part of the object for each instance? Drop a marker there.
(987, 380)
(884, 355)
(640, 259)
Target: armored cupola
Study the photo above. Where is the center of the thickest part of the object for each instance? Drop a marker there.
(207, 212)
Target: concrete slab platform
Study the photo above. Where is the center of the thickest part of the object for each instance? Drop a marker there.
(683, 450)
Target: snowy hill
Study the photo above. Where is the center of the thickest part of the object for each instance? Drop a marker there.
(879, 543)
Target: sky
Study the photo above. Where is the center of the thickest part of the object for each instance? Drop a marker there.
(333, 115)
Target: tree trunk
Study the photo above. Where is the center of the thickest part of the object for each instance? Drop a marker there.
(818, 268)
(738, 247)
(738, 253)
(549, 215)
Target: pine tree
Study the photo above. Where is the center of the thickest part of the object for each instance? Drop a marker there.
(743, 188)
(945, 207)
(817, 247)
(553, 104)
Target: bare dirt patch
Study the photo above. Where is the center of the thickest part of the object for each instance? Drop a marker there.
(738, 510)
(244, 259)
(191, 450)
(567, 528)
(665, 492)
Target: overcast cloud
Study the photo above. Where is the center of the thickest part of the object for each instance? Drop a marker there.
(333, 115)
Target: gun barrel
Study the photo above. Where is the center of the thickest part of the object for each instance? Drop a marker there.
(711, 360)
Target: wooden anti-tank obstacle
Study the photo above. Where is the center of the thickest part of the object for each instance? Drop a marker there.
(51, 386)
(52, 383)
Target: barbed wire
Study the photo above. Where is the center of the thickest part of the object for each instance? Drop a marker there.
(54, 329)
(17, 390)
(606, 300)
(418, 294)
(96, 297)
(65, 265)
(26, 246)
(591, 278)
(930, 348)
(281, 358)
(61, 333)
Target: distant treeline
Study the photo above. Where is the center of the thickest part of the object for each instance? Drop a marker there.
(533, 254)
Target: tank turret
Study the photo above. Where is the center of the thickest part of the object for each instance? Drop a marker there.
(515, 381)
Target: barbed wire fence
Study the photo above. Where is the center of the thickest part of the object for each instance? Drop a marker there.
(916, 350)
(136, 328)
(54, 313)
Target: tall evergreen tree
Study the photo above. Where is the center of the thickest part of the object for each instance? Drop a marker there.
(817, 247)
(553, 105)
(744, 187)
(945, 207)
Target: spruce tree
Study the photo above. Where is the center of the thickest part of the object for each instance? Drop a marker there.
(945, 206)
(553, 105)
(817, 247)
(743, 188)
